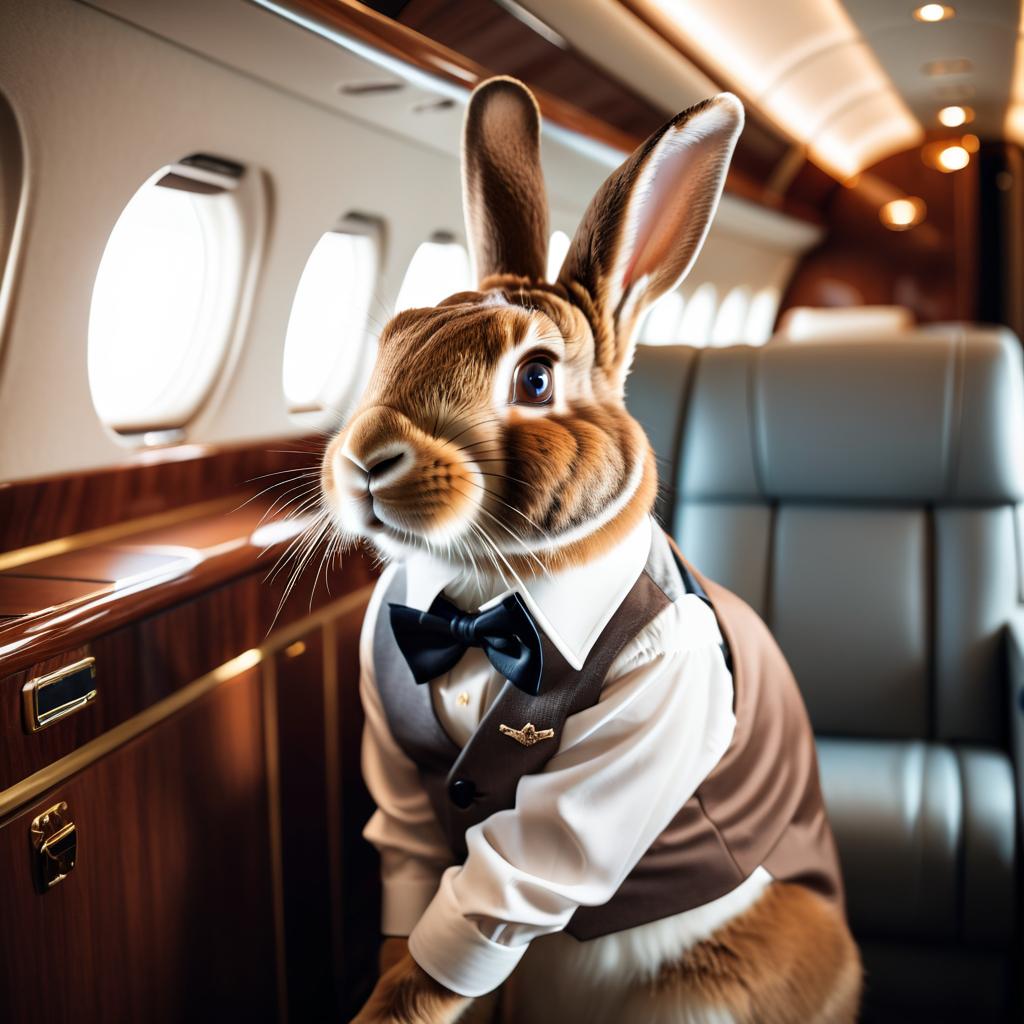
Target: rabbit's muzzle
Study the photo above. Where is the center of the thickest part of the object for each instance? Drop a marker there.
(383, 474)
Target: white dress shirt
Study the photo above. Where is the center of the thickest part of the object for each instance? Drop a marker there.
(622, 771)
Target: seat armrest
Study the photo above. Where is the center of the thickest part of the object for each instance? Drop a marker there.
(1015, 655)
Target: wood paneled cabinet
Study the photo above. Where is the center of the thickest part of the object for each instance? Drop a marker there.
(219, 873)
(172, 889)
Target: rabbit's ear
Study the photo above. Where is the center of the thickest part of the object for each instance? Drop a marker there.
(644, 228)
(502, 184)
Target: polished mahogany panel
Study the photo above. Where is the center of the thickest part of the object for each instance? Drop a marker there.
(150, 482)
(102, 563)
(360, 897)
(929, 268)
(168, 913)
(305, 839)
(207, 552)
(148, 659)
(21, 595)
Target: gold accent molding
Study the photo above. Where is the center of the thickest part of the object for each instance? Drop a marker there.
(32, 786)
(273, 766)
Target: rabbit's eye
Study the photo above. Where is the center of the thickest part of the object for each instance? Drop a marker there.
(535, 382)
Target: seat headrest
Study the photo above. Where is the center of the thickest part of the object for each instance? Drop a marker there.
(929, 418)
(808, 323)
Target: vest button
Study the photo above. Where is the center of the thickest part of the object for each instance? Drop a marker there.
(462, 792)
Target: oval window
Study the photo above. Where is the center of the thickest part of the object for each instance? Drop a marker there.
(699, 315)
(730, 321)
(323, 346)
(438, 268)
(558, 248)
(661, 326)
(165, 298)
(761, 317)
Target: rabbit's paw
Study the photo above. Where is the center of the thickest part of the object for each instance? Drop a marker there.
(406, 994)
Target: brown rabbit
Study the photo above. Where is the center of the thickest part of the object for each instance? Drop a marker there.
(602, 803)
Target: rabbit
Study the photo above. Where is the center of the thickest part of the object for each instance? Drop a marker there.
(597, 787)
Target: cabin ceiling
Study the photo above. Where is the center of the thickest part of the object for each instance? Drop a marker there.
(983, 33)
(849, 82)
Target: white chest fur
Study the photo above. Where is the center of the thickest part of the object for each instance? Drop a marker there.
(607, 979)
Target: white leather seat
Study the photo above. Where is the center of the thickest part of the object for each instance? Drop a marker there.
(864, 499)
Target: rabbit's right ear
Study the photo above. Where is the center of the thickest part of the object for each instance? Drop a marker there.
(644, 228)
(502, 184)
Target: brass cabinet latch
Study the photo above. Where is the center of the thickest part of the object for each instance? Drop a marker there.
(55, 842)
(56, 695)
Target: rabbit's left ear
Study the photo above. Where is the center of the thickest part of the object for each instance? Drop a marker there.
(502, 184)
(644, 228)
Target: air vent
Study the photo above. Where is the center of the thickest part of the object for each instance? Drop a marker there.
(952, 66)
(203, 174)
(370, 88)
(433, 106)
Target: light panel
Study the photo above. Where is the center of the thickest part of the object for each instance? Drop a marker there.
(807, 67)
(1014, 124)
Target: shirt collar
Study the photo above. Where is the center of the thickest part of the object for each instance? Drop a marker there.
(572, 606)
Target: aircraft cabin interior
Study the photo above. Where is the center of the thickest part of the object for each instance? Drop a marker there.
(511, 511)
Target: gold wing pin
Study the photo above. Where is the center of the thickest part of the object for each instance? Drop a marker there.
(528, 735)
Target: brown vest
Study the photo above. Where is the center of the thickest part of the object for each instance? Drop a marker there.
(760, 805)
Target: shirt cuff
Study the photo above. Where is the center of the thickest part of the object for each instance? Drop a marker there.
(403, 902)
(453, 950)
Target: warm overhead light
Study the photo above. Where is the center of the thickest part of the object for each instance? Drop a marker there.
(953, 117)
(901, 214)
(953, 158)
(934, 12)
(805, 65)
(971, 143)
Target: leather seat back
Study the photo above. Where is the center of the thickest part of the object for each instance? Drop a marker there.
(864, 497)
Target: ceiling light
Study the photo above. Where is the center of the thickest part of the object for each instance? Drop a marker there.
(934, 12)
(953, 117)
(953, 158)
(902, 214)
(971, 143)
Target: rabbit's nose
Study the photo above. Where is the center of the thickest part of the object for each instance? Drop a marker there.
(378, 467)
(381, 466)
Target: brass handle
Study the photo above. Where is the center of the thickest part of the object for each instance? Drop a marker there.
(49, 698)
(55, 841)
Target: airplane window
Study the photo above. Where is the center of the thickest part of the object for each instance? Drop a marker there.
(558, 246)
(764, 307)
(438, 268)
(661, 325)
(731, 318)
(164, 298)
(699, 315)
(328, 319)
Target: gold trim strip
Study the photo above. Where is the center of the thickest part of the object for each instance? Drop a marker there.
(29, 788)
(271, 756)
(334, 792)
(116, 531)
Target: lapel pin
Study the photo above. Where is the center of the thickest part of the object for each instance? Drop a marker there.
(528, 735)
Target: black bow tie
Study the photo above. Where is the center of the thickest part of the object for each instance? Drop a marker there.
(434, 641)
